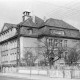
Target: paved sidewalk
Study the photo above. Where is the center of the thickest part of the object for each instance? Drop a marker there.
(34, 77)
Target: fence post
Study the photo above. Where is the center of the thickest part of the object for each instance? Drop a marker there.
(63, 74)
(71, 73)
(47, 72)
(30, 70)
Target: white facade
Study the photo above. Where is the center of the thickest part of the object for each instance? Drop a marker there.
(27, 44)
(7, 34)
(8, 49)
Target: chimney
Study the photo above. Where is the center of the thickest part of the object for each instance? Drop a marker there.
(33, 18)
(26, 15)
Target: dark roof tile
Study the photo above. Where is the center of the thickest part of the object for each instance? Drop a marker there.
(59, 23)
(29, 22)
(7, 26)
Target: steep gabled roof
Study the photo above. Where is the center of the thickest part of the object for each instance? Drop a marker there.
(29, 22)
(59, 23)
(7, 26)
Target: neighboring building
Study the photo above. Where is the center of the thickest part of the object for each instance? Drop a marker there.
(16, 39)
(8, 45)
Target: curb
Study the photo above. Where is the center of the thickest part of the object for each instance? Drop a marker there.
(15, 76)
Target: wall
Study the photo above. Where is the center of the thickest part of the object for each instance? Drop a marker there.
(27, 43)
(0, 55)
(8, 34)
(8, 52)
(70, 42)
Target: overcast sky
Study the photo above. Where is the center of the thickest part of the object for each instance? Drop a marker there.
(67, 10)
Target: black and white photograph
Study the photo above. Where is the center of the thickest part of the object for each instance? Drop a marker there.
(39, 39)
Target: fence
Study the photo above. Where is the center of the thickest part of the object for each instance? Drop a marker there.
(76, 74)
(56, 73)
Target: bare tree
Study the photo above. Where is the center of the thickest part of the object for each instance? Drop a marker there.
(49, 52)
(29, 58)
(72, 57)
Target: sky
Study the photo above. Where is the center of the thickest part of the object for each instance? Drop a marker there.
(67, 10)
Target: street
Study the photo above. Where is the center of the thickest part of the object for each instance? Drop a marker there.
(10, 78)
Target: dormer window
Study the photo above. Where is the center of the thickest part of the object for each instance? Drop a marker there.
(58, 32)
(30, 31)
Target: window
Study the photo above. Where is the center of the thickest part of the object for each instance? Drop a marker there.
(11, 29)
(65, 43)
(14, 31)
(60, 43)
(4, 33)
(50, 42)
(30, 31)
(59, 32)
(56, 42)
(65, 54)
(8, 31)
